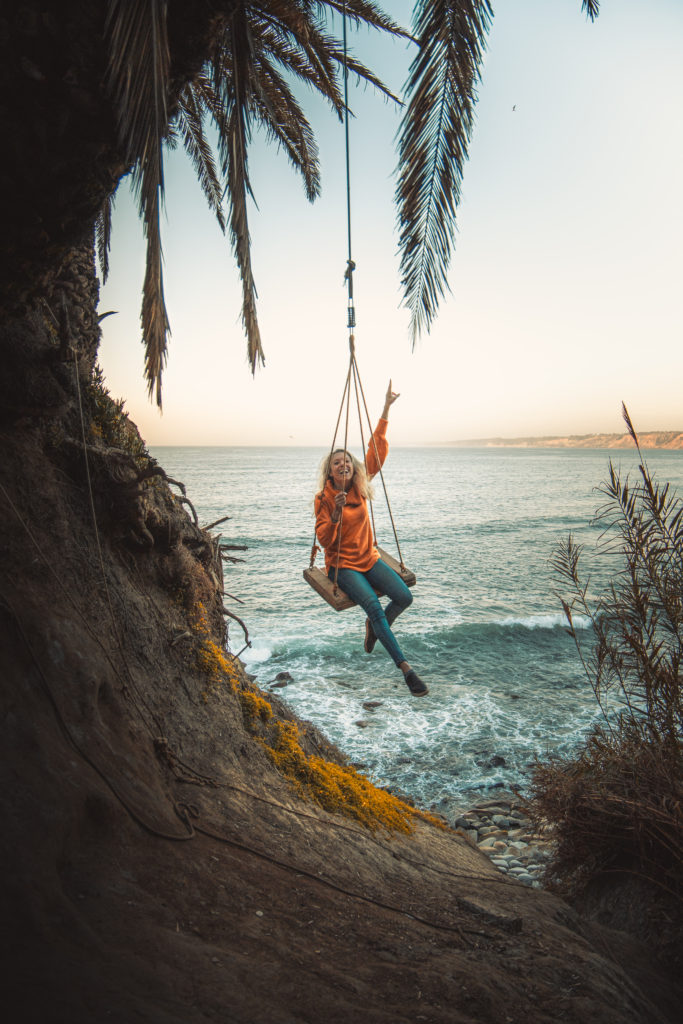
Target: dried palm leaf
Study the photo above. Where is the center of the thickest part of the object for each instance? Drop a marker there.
(138, 80)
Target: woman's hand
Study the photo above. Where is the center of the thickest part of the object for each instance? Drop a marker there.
(389, 401)
(339, 502)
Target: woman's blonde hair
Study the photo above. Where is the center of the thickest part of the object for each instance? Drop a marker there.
(360, 476)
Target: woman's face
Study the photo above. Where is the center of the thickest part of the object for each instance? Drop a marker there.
(341, 471)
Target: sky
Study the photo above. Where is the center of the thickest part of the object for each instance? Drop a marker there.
(565, 285)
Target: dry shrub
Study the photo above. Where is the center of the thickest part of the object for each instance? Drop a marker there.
(617, 806)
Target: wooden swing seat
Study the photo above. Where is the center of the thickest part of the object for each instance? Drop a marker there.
(321, 582)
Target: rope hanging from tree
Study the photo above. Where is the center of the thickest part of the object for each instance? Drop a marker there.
(317, 579)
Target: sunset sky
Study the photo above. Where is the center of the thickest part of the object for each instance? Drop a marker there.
(566, 284)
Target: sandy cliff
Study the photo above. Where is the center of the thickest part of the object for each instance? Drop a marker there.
(667, 439)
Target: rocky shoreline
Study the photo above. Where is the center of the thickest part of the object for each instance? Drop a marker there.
(503, 828)
(504, 831)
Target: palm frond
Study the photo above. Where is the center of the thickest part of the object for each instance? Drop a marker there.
(256, 45)
(284, 121)
(190, 122)
(364, 13)
(433, 145)
(233, 79)
(138, 80)
(362, 73)
(313, 54)
(103, 236)
(306, 56)
(591, 7)
(155, 325)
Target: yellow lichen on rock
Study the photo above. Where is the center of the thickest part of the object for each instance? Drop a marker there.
(211, 658)
(255, 706)
(337, 788)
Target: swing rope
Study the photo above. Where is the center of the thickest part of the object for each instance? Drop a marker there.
(350, 265)
(353, 371)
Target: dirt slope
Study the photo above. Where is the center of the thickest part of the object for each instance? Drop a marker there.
(157, 866)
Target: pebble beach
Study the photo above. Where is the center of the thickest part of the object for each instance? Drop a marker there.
(503, 830)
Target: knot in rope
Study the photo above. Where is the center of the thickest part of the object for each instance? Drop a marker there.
(348, 276)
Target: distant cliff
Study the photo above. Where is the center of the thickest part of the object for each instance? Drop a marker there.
(669, 439)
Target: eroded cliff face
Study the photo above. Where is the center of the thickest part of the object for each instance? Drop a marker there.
(176, 846)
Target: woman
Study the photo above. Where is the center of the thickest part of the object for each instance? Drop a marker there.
(341, 506)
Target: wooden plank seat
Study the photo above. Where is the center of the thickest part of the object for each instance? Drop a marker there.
(324, 586)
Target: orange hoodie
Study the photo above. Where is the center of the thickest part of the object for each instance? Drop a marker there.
(357, 550)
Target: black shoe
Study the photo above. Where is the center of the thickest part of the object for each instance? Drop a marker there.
(415, 684)
(370, 638)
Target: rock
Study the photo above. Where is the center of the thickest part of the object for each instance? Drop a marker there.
(486, 844)
(361, 724)
(492, 806)
(501, 821)
(492, 762)
(519, 815)
(370, 705)
(284, 677)
(278, 686)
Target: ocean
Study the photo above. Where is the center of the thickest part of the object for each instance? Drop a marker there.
(485, 631)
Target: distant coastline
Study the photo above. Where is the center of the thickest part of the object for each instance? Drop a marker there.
(670, 440)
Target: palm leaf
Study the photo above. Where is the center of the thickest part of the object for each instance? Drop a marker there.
(190, 122)
(255, 46)
(316, 56)
(103, 236)
(363, 13)
(284, 121)
(233, 76)
(248, 88)
(591, 7)
(433, 145)
(138, 80)
(155, 325)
